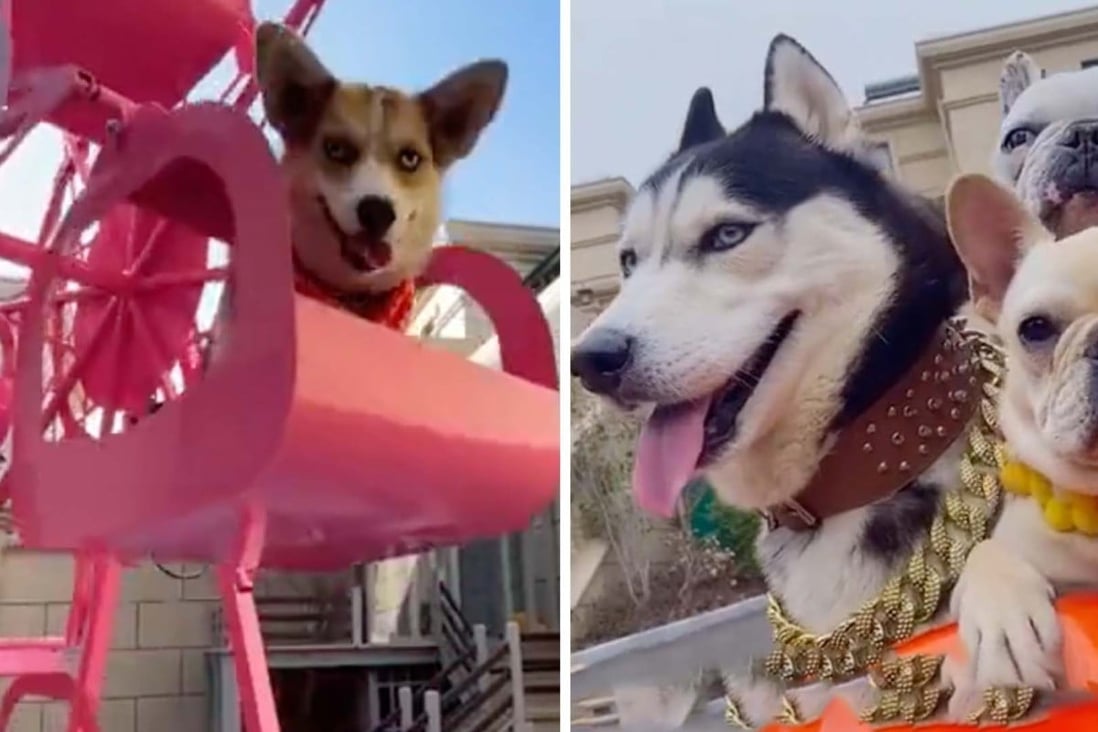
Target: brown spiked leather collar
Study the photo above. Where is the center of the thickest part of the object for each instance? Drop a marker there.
(895, 440)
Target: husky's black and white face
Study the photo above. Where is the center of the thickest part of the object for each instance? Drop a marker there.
(774, 284)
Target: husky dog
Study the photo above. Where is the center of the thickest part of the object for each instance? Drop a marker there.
(776, 288)
(1048, 142)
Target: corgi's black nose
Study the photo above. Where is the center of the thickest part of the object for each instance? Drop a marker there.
(600, 359)
(376, 215)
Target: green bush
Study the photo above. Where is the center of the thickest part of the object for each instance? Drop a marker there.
(731, 529)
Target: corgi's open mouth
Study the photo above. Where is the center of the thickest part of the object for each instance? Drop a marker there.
(361, 251)
(677, 439)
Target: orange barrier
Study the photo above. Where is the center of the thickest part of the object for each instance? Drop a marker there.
(1079, 621)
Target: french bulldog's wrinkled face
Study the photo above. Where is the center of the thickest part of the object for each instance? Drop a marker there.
(1047, 148)
(1043, 295)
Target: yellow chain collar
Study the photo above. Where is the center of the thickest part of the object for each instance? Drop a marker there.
(1063, 510)
(909, 688)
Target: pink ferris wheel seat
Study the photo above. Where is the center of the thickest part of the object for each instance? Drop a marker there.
(149, 51)
(354, 441)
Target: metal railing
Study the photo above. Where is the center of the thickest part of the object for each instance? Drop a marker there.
(544, 272)
(461, 646)
(481, 702)
(455, 633)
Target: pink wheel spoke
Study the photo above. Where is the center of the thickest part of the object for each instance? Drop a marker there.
(78, 271)
(150, 245)
(69, 423)
(166, 385)
(158, 355)
(64, 386)
(62, 298)
(179, 279)
(131, 238)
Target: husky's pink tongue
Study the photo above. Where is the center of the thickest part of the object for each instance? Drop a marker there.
(667, 453)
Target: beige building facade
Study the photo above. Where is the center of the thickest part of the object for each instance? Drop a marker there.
(950, 123)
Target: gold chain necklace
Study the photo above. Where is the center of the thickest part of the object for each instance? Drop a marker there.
(910, 688)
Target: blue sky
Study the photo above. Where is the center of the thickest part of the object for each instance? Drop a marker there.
(513, 175)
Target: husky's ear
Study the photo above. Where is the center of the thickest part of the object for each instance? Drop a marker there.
(701, 123)
(990, 229)
(295, 85)
(798, 86)
(1019, 72)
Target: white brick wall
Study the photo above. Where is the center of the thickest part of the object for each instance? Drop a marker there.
(157, 678)
(156, 672)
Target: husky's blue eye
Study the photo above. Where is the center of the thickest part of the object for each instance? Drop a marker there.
(1037, 330)
(1017, 137)
(723, 237)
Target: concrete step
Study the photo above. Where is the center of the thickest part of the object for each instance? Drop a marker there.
(542, 711)
(596, 703)
(596, 720)
(541, 646)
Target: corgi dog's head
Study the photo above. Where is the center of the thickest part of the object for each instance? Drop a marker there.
(365, 163)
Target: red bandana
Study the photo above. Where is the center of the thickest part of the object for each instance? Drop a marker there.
(392, 309)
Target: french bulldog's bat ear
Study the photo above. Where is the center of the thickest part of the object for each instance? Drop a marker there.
(991, 229)
(798, 86)
(1019, 71)
(702, 124)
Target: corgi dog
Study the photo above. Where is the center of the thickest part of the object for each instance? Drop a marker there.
(365, 163)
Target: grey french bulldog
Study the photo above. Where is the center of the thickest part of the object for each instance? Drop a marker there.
(1047, 148)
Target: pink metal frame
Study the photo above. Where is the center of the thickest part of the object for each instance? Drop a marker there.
(71, 667)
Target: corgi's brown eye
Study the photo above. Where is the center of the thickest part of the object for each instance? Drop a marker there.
(340, 151)
(409, 159)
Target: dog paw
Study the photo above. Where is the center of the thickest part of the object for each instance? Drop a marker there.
(1008, 624)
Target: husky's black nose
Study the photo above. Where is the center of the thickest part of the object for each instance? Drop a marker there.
(600, 359)
(376, 214)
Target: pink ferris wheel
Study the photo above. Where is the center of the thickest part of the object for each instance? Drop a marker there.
(308, 441)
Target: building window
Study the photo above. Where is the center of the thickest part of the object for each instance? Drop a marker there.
(1088, 62)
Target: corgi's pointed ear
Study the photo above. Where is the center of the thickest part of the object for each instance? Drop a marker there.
(702, 124)
(1019, 72)
(991, 230)
(459, 107)
(294, 84)
(798, 86)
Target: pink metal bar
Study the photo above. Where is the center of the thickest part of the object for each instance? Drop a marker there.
(237, 583)
(525, 342)
(177, 279)
(84, 710)
(31, 256)
(63, 388)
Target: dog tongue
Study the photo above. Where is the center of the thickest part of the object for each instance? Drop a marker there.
(667, 453)
(374, 253)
